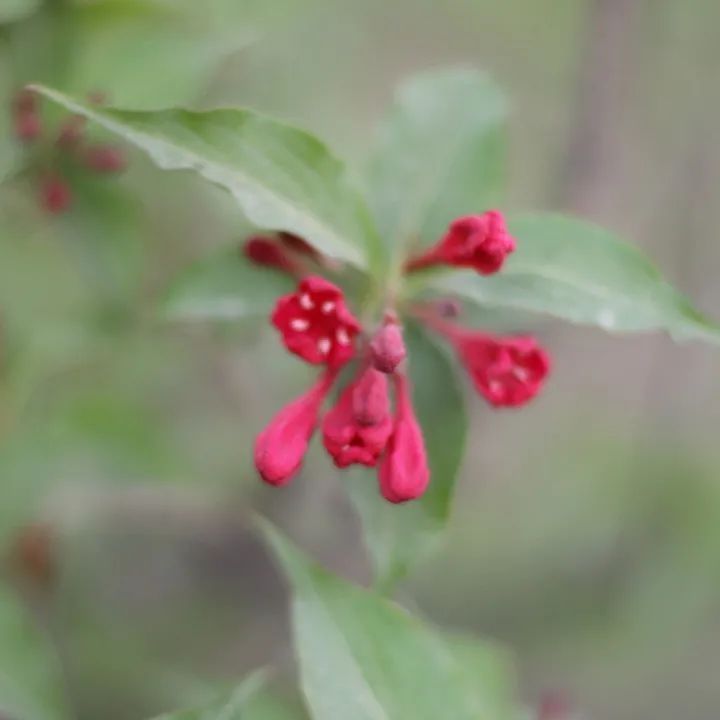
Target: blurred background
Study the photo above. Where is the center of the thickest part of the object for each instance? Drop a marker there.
(586, 531)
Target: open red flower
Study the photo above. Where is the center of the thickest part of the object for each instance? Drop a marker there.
(281, 447)
(316, 324)
(404, 473)
(357, 428)
(507, 371)
(480, 242)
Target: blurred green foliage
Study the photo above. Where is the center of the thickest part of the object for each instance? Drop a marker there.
(585, 535)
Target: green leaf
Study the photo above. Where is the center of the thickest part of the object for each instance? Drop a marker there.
(249, 701)
(225, 286)
(30, 681)
(576, 271)
(363, 657)
(282, 178)
(440, 154)
(489, 673)
(398, 536)
(13, 10)
(148, 54)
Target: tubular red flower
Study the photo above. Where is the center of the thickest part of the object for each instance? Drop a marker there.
(268, 252)
(387, 348)
(316, 324)
(480, 242)
(27, 127)
(55, 195)
(507, 371)
(357, 428)
(280, 448)
(404, 473)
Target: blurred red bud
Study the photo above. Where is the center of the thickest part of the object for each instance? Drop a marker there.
(27, 126)
(71, 132)
(387, 348)
(55, 195)
(105, 159)
(31, 557)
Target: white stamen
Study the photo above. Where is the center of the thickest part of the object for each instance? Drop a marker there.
(327, 307)
(306, 302)
(299, 324)
(521, 373)
(324, 345)
(342, 337)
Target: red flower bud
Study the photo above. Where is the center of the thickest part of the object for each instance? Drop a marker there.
(387, 348)
(280, 448)
(370, 403)
(55, 195)
(32, 558)
(404, 473)
(105, 159)
(71, 132)
(480, 242)
(316, 324)
(507, 371)
(554, 705)
(347, 435)
(267, 252)
(27, 126)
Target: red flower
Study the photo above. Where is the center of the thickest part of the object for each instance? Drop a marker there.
(268, 252)
(507, 371)
(280, 448)
(387, 348)
(316, 324)
(404, 473)
(55, 195)
(357, 429)
(480, 242)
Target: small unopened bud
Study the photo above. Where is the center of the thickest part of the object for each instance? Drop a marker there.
(55, 195)
(370, 404)
(27, 126)
(269, 253)
(554, 705)
(387, 348)
(25, 101)
(105, 159)
(31, 557)
(71, 132)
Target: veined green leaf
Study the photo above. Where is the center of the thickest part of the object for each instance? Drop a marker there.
(364, 658)
(30, 680)
(440, 154)
(575, 271)
(282, 178)
(398, 536)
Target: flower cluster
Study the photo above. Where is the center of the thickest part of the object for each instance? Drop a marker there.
(316, 324)
(53, 151)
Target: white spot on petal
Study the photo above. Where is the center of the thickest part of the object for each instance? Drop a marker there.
(521, 374)
(327, 307)
(306, 302)
(324, 345)
(342, 336)
(299, 324)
